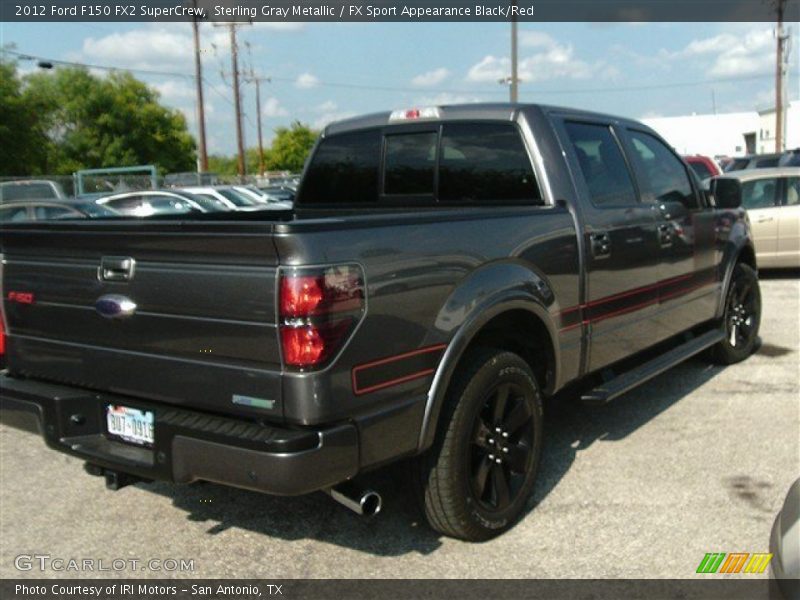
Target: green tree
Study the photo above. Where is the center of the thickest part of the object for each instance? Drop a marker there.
(22, 146)
(113, 121)
(290, 147)
(222, 165)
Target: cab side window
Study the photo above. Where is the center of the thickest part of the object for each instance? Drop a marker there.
(665, 173)
(760, 193)
(602, 164)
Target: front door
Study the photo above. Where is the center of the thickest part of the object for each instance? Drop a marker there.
(621, 244)
(688, 287)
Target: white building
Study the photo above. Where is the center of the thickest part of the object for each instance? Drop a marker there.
(728, 134)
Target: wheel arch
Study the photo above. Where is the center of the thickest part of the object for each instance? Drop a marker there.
(517, 322)
(738, 251)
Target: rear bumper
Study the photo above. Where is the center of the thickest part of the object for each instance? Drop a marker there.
(189, 445)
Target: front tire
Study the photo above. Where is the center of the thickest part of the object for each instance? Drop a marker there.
(742, 317)
(477, 478)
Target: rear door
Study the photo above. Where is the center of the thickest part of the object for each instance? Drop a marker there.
(202, 330)
(788, 248)
(620, 240)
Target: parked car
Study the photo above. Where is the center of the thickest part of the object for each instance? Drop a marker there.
(48, 210)
(753, 161)
(784, 544)
(445, 270)
(790, 158)
(772, 200)
(147, 203)
(267, 200)
(31, 189)
(227, 195)
(703, 166)
(280, 193)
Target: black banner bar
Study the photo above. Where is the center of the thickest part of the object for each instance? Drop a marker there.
(407, 11)
(711, 588)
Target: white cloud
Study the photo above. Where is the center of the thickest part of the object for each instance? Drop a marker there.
(553, 61)
(147, 48)
(174, 91)
(328, 112)
(731, 54)
(430, 78)
(306, 81)
(272, 108)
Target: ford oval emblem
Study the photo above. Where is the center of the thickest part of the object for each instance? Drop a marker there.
(114, 306)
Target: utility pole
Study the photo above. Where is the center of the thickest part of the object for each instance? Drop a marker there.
(780, 73)
(257, 81)
(513, 88)
(201, 113)
(252, 78)
(513, 80)
(237, 100)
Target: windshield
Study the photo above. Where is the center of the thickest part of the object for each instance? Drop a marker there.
(237, 198)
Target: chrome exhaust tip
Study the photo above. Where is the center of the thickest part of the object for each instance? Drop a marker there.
(366, 503)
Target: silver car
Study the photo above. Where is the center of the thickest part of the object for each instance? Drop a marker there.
(772, 200)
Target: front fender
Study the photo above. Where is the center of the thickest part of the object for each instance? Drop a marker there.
(489, 292)
(739, 240)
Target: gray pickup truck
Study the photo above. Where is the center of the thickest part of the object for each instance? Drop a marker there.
(443, 270)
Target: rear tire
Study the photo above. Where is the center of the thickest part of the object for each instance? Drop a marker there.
(475, 482)
(741, 319)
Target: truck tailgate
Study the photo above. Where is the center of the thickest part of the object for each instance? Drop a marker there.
(203, 332)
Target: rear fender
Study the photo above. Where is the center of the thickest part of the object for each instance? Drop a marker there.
(490, 291)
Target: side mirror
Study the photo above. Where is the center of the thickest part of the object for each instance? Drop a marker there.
(727, 192)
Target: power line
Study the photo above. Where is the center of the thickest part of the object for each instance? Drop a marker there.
(396, 89)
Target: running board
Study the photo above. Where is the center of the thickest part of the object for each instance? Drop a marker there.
(630, 379)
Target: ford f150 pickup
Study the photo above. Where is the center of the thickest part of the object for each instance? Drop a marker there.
(443, 270)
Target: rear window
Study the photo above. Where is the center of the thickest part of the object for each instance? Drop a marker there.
(485, 162)
(410, 164)
(344, 170)
(477, 162)
(26, 191)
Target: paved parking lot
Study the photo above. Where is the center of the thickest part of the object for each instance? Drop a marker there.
(696, 461)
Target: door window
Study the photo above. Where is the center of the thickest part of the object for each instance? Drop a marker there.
(602, 165)
(666, 174)
(760, 193)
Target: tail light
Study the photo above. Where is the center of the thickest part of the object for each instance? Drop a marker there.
(318, 309)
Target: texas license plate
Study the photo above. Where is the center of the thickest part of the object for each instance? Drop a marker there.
(131, 424)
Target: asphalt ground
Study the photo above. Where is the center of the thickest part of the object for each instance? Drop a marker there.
(698, 460)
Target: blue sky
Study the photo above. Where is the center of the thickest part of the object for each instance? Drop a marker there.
(592, 66)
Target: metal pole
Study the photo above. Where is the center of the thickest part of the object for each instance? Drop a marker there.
(201, 113)
(237, 100)
(513, 88)
(779, 81)
(258, 116)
